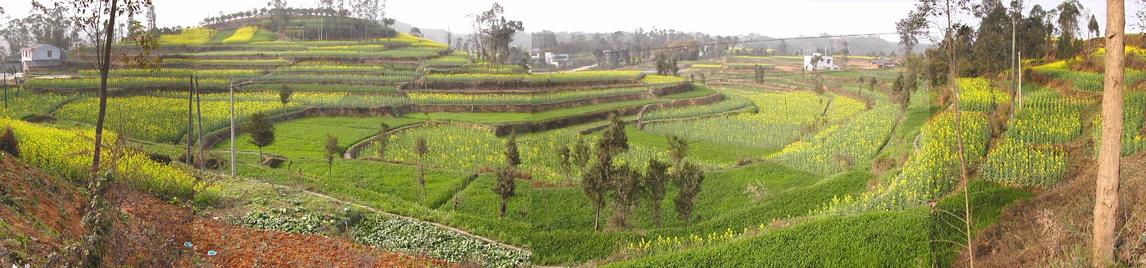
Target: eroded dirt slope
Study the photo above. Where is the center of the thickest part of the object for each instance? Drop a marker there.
(41, 215)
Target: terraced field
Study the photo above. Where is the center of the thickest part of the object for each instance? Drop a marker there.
(409, 144)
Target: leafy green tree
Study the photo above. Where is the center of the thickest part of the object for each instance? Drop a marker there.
(505, 176)
(581, 153)
(909, 29)
(1069, 11)
(421, 149)
(899, 87)
(627, 190)
(332, 150)
(655, 179)
(613, 141)
(1035, 33)
(506, 187)
(512, 156)
(595, 184)
(262, 132)
(992, 40)
(1093, 26)
(285, 95)
(495, 33)
(279, 16)
(566, 156)
(688, 181)
(678, 150)
(598, 179)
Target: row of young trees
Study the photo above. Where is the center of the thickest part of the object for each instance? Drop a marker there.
(625, 186)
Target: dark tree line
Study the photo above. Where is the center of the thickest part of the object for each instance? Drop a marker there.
(1039, 33)
(348, 19)
(624, 48)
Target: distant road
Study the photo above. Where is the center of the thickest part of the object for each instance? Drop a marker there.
(571, 71)
(582, 68)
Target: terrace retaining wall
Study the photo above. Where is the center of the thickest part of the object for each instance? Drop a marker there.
(354, 150)
(422, 84)
(524, 108)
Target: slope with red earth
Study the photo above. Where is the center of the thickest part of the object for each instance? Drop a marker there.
(148, 232)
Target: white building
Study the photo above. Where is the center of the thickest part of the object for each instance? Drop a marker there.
(550, 58)
(41, 56)
(825, 63)
(556, 59)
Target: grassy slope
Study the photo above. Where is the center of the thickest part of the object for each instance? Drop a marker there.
(562, 218)
(828, 242)
(872, 239)
(222, 35)
(717, 152)
(305, 138)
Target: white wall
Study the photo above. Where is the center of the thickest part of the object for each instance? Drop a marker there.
(41, 53)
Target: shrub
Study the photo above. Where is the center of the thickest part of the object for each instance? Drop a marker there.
(8, 142)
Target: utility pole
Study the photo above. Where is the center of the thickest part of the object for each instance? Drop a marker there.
(190, 120)
(1014, 63)
(233, 131)
(199, 114)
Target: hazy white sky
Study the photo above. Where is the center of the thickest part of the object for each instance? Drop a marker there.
(726, 17)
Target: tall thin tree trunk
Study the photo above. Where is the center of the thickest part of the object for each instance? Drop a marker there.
(657, 214)
(503, 205)
(964, 180)
(1110, 151)
(103, 73)
(597, 218)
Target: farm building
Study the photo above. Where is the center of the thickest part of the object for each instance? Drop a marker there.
(883, 63)
(825, 63)
(41, 56)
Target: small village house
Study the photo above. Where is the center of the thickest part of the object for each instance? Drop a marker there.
(41, 57)
(825, 63)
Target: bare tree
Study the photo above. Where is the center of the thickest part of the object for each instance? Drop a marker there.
(1110, 150)
(950, 11)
